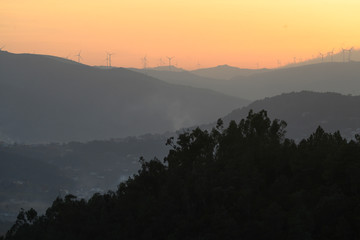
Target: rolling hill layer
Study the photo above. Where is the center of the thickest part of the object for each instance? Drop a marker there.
(44, 98)
(305, 111)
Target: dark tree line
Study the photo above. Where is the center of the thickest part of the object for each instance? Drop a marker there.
(245, 181)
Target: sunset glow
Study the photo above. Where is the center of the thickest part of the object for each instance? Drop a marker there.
(201, 33)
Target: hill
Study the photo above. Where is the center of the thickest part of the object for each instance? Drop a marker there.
(216, 79)
(334, 56)
(27, 182)
(99, 165)
(31, 176)
(225, 72)
(323, 77)
(44, 99)
(244, 181)
(257, 84)
(184, 78)
(305, 111)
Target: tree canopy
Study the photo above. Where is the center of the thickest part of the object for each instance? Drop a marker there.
(245, 181)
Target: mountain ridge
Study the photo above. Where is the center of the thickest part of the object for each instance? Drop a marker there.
(53, 100)
(306, 110)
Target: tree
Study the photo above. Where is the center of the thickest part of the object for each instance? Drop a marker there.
(246, 181)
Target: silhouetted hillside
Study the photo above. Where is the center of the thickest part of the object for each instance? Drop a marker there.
(336, 56)
(33, 175)
(323, 77)
(96, 164)
(45, 99)
(184, 78)
(257, 84)
(305, 111)
(245, 181)
(225, 72)
(99, 165)
(27, 182)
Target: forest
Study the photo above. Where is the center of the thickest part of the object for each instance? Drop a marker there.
(241, 181)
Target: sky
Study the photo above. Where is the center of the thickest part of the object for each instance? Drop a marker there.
(197, 33)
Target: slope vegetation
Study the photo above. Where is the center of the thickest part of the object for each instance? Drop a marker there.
(241, 182)
(305, 111)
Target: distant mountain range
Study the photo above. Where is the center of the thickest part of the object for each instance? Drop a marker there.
(226, 72)
(184, 78)
(45, 98)
(342, 77)
(337, 77)
(330, 56)
(216, 79)
(220, 72)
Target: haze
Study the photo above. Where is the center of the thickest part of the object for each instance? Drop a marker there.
(251, 131)
(247, 34)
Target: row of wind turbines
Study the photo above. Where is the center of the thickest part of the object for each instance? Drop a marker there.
(108, 60)
(145, 62)
(346, 55)
(331, 54)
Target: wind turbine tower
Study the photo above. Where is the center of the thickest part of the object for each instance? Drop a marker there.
(343, 52)
(144, 61)
(322, 57)
(331, 54)
(170, 58)
(79, 57)
(108, 58)
(350, 50)
(161, 62)
(349, 53)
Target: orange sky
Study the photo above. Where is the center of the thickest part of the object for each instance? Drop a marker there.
(209, 32)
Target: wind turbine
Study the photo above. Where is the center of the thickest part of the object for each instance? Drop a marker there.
(79, 56)
(109, 59)
(170, 58)
(144, 61)
(294, 60)
(343, 51)
(322, 56)
(161, 62)
(330, 54)
(349, 53)
(350, 50)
